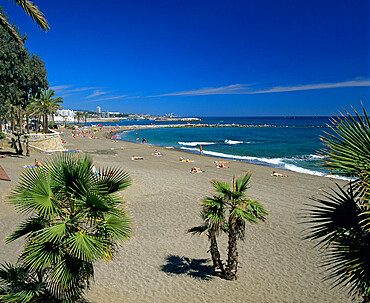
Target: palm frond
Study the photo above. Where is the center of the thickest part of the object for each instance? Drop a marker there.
(68, 273)
(197, 230)
(213, 208)
(348, 150)
(39, 255)
(241, 184)
(33, 194)
(113, 180)
(4, 23)
(338, 224)
(117, 227)
(88, 247)
(335, 214)
(30, 226)
(222, 188)
(33, 11)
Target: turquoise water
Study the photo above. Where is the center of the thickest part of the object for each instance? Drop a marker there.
(293, 145)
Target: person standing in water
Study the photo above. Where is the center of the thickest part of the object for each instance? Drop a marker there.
(201, 149)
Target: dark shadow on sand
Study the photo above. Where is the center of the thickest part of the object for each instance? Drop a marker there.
(195, 268)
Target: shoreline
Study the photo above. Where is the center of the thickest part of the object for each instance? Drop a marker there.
(255, 161)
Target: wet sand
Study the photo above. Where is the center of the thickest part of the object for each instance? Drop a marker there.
(162, 263)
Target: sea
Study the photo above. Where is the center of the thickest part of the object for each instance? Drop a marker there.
(291, 143)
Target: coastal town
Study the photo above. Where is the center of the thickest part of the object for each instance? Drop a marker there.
(73, 116)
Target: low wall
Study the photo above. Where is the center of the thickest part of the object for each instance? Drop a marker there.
(46, 142)
(38, 142)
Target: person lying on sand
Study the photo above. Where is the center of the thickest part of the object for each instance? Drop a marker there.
(37, 163)
(217, 162)
(195, 170)
(93, 169)
(221, 165)
(185, 160)
(137, 158)
(275, 174)
(3, 156)
(157, 153)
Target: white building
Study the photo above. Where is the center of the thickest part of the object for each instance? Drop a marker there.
(98, 109)
(64, 115)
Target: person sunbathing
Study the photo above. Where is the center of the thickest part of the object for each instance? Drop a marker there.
(137, 158)
(195, 170)
(157, 153)
(221, 165)
(275, 174)
(185, 160)
(37, 163)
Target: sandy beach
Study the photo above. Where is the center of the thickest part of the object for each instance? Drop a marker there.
(162, 263)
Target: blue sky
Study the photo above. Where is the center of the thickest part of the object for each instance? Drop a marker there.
(205, 58)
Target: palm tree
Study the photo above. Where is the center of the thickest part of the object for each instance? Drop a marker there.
(75, 219)
(85, 115)
(241, 210)
(78, 116)
(340, 219)
(230, 199)
(213, 216)
(20, 284)
(31, 10)
(46, 105)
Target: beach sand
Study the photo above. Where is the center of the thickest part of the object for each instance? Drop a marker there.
(162, 263)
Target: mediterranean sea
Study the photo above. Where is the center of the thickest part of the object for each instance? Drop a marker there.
(291, 143)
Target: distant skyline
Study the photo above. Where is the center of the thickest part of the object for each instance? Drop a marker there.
(205, 58)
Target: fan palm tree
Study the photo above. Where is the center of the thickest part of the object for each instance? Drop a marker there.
(45, 105)
(31, 10)
(75, 219)
(340, 219)
(241, 210)
(229, 211)
(213, 216)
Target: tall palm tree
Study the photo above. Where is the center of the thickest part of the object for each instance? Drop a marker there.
(213, 216)
(78, 116)
(31, 10)
(45, 105)
(340, 219)
(75, 218)
(85, 115)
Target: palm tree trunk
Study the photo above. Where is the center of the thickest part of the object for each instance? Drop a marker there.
(20, 118)
(232, 255)
(12, 119)
(28, 135)
(216, 258)
(45, 124)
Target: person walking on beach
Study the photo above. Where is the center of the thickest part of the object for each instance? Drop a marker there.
(144, 140)
(201, 149)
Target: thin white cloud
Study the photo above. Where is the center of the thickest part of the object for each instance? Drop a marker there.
(81, 89)
(58, 88)
(244, 89)
(107, 98)
(280, 89)
(223, 90)
(96, 93)
(68, 89)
